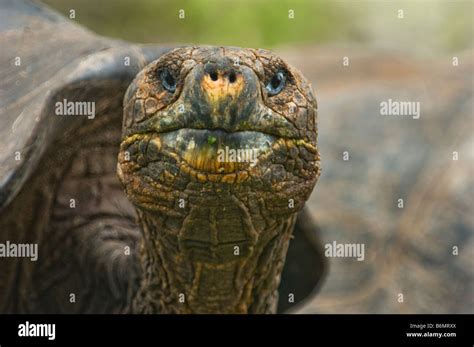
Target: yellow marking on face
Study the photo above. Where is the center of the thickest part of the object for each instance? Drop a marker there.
(206, 159)
(157, 142)
(229, 178)
(214, 177)
(242, 176)
(168, 177)
(222, 88)
(127, 141)
(185, 168)
(309, 146)
(201, 177)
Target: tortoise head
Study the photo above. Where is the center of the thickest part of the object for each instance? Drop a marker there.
(225, 117)
(219, 146)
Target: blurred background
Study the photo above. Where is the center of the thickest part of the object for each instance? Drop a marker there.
(419, 257)
(428, 25)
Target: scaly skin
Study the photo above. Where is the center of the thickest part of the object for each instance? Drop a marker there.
(216, 233)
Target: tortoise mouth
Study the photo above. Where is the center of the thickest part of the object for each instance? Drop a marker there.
(216, 150)
(262, 120)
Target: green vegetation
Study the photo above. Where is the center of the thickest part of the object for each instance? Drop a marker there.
(211, 140)
(266, 23)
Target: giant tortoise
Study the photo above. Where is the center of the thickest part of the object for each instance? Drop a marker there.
(217, 155)
(173, 179)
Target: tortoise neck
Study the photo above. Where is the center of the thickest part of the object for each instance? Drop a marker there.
(205, 264)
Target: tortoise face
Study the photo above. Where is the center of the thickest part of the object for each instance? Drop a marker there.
(209, 121)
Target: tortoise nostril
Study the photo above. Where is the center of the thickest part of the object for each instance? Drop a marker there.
(232, 77)
(213, 75)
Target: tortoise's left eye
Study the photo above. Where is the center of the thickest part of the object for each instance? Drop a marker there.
(168, 81)
(276, 83)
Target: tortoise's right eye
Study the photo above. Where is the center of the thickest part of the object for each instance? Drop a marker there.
(168, 81)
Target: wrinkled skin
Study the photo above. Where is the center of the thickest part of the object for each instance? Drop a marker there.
(216, 232)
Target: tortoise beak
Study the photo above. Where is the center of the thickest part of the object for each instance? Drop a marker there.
(221, 95)
(222, 83)
(216, 151)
